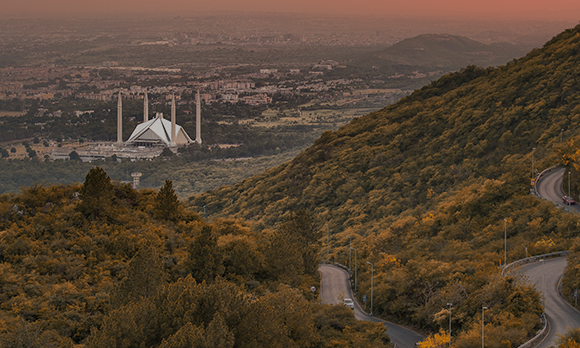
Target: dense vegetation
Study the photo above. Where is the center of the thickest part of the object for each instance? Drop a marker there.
(189, 177)
(423, 187)
(104, 265)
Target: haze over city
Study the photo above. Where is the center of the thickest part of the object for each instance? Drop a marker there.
(496, 9)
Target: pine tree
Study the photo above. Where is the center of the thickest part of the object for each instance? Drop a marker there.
(167, 203)
(97, 195)
(205, 261)
(144, 277)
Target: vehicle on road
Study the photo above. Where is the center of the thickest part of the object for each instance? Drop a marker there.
(348, 302)
(568, 200)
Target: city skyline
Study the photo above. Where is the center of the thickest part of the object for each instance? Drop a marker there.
(491, 9)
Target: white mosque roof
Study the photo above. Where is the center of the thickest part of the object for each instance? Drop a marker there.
(158, 130)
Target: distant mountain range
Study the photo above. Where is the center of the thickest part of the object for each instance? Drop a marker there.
(447, 52)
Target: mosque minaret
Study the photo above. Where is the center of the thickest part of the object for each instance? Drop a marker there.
(119, 121)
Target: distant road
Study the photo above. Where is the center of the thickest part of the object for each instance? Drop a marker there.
(560, 314)
(334, 287)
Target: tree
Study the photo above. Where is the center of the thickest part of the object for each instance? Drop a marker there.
(437, 340)
(144, 277)
(167, 203)
(294, 247)
(13, 149)
(5, 153)
(570, 340)
(167, 152)
(96, 195)
(74, 156)
(205, 257)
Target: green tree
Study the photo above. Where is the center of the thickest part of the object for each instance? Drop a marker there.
(205, 258)
(96, 195)
(74, 156)
(293, 249)
(167, 152)
(144, 277)
(166, 203)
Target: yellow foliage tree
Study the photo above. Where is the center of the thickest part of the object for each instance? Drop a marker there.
(570, 344)
(437, 340)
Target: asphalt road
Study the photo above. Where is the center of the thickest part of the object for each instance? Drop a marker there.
(334, 287)
(547, 275)
(550, 188)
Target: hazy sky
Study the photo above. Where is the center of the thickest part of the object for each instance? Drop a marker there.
(516, 9)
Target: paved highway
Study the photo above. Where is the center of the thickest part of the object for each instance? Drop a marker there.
(550, 188)
(547, 275)
(334, 287)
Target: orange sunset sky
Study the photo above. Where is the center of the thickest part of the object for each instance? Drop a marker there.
(502, 9)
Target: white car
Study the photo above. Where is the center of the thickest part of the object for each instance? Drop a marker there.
(348, 302)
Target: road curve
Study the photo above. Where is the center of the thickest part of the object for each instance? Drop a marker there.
(561, 316)
(550, 188)
(334, 287)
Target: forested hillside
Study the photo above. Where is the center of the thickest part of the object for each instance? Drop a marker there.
(426, 187)
(104, 265)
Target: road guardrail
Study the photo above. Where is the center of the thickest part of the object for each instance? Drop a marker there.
(544, 330)
(538, 178)
(533, 259)
(540, 335)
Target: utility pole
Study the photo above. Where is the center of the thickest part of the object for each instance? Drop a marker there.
(483, 326)
(505, 241)
(355, 272)
(327, 242)
(350, 254)
(450, 305)
(372, 278)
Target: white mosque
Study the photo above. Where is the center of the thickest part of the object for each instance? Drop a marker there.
(148, 139)
(158, 131)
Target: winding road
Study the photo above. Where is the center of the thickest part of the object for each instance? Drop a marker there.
(334, 287)
(548, 274)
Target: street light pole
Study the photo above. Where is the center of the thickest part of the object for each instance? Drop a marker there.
(350, 254)
(450, 305)
(505, 241)
(483, 326)
(533, 162)
(355, 271)
(327, 243)
(543, 261)
(569, 184)
(372, 276)
(561, 131)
